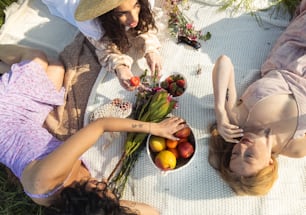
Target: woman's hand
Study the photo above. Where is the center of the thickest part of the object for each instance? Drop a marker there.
(168, 127)
(124, 75)
(228, 131)
(154, 62)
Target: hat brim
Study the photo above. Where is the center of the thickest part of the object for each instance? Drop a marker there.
(90, 9)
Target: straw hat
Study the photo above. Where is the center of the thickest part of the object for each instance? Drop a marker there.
(90, 9)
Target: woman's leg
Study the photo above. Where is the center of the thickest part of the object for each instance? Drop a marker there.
(288, 52)
(56, 72)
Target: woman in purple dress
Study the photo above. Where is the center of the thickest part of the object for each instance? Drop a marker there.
(50, 171)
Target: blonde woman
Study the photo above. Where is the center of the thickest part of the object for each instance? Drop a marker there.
(268, 120)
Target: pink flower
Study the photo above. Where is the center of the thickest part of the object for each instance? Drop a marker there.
(189, 26)
(157, 89)
(193, 37)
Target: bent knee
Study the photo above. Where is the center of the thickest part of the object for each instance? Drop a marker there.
(56, 72)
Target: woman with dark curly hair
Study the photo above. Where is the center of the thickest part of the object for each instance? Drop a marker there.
(51, 171)
(81, 200)
(268, 120)
(114, 27)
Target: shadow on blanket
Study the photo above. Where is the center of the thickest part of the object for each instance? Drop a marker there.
(82, 69)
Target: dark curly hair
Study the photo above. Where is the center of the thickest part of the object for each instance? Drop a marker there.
(116, 31)
(79, 201)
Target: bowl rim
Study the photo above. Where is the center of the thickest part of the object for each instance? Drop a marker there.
(164, 172)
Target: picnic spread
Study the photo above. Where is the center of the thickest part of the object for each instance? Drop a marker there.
(196, 189)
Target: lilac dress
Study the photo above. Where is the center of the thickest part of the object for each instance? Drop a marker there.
(26, 98)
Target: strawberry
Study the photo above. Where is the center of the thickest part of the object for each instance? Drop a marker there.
(179, 91)
(169, 80)
(135, 81)
(172, 88)
(164, 85)
(177, 77)
(180, 83)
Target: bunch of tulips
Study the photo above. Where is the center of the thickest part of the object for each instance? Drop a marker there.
(153, 104)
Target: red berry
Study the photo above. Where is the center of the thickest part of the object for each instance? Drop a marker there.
(179, 91)
(135, 81)
(165, 85)
(172, 88)
(169, 79)
(180, 83)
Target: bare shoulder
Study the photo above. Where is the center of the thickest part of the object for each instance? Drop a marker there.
(296, 148)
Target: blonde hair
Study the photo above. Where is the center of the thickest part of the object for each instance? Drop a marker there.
(219, 158)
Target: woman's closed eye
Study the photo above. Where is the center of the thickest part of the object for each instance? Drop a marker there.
(122, 13)
(119, 14)
(249, 155)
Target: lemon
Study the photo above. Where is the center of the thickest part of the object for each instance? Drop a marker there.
(165, 160)
(157, 144)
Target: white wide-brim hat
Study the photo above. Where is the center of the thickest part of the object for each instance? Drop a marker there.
(90, 9)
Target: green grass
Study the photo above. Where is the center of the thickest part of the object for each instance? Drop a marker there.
(3, 5)
(13, 201)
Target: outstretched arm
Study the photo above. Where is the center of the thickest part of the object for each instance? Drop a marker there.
(225, 99)
(56, 167)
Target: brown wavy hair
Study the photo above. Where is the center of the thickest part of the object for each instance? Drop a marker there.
(219, 158)
(116, 32)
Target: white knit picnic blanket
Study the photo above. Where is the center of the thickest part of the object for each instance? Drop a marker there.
(197, 189)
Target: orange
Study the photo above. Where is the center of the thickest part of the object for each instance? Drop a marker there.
(171, 143)
(157, 144)
(174, 151)
(165, 160)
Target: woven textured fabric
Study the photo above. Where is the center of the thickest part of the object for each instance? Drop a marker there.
(196, 189)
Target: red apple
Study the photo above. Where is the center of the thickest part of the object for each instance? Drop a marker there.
(185, 149)
(183, 133)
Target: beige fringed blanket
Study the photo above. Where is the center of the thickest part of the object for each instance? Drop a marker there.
(82, 69)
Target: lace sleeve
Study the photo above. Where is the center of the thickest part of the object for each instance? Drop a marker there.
(109, 55)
